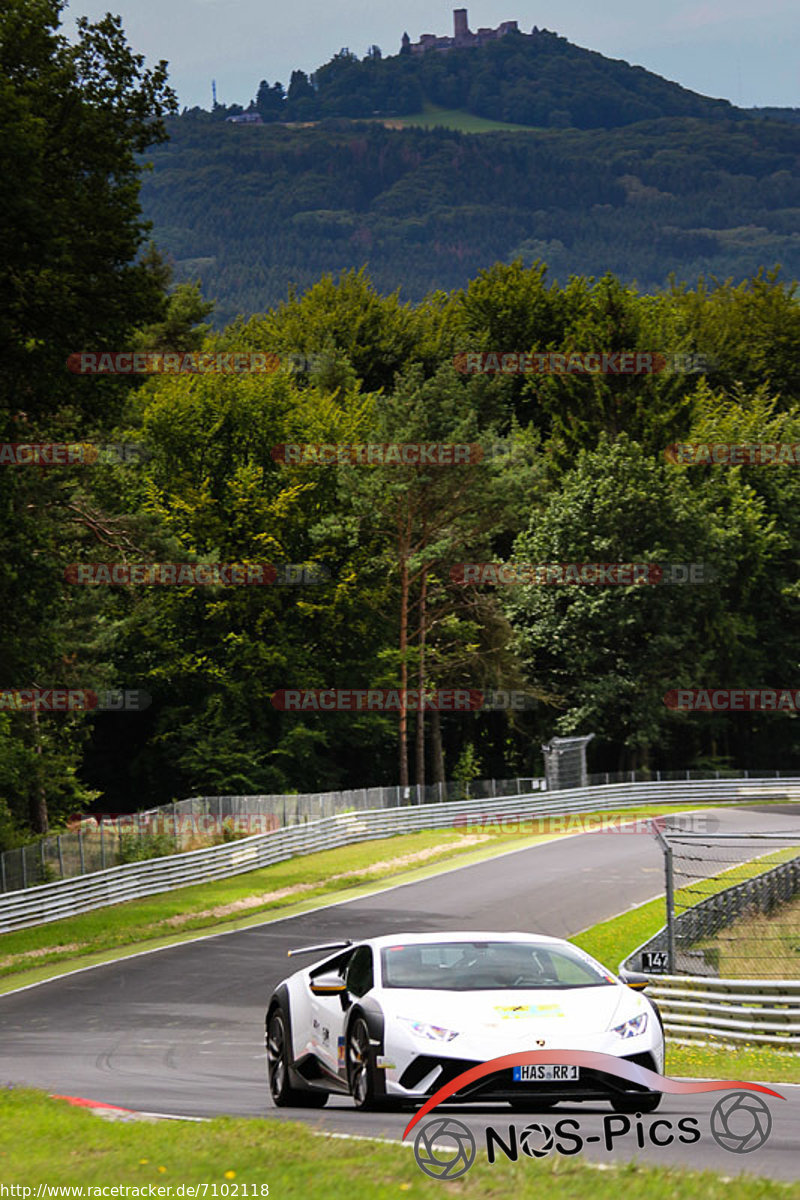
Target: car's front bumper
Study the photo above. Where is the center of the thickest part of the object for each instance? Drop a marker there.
(428, 1073)
(415, 1070)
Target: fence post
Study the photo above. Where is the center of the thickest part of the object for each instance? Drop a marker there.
(60, 856)
(670, 899)
(80, 848)
(3, 869)
(41, 855)
(24, 868)
(175, 823)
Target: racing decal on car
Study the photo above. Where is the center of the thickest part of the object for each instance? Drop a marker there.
(340, 1051)
(511, 1012)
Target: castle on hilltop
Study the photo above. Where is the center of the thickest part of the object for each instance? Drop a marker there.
(462, 36)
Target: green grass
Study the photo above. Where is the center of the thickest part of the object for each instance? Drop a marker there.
(46, 1141)
(611, 941)
(761, 946)
(757, 1064)
(433, 116)
(29, 955)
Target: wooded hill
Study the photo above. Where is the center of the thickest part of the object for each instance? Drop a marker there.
(531, 79)
(250, 211)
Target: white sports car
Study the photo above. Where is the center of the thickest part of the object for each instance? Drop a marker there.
(393, 1019)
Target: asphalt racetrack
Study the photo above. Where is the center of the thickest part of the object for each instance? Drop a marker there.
(181, 1031)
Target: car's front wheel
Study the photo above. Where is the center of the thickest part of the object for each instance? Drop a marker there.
(283, 1094)
(361, 1074)
(647, 1102)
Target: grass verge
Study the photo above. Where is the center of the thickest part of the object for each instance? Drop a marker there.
(758, 1064)
(30, 955)
(762, 945)
(46, 1141)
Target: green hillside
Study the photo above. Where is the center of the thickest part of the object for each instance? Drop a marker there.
(251, 211)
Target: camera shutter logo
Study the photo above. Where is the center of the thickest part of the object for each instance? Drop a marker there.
(536, 1140)
(741, 1122)
(444, 1148)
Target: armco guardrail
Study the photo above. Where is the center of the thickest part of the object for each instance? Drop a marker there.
(50, 902)
(185, 825)
(765, 1011)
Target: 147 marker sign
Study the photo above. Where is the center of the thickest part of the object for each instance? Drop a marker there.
(655, 960)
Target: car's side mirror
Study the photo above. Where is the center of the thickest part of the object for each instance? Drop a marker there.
(635, 980)
(328, 985)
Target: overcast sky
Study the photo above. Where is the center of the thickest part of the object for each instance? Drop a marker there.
(745, 51)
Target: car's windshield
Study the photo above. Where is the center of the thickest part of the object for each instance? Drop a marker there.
(468, 966)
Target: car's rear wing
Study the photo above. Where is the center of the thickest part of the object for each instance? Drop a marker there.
(320, 949)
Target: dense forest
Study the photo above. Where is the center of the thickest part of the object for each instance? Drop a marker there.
(250, 211)
(576, 468)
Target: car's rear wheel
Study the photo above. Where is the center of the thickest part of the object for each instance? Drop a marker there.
(646, 1103)
(361, 1075)
(283, 1094)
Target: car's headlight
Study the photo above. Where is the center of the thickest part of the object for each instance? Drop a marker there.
(631, 1028)
(436, 1033)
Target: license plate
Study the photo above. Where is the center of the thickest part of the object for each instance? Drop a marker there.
(544, 1071)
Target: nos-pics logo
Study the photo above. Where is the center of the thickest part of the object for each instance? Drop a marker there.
(445, 1148)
